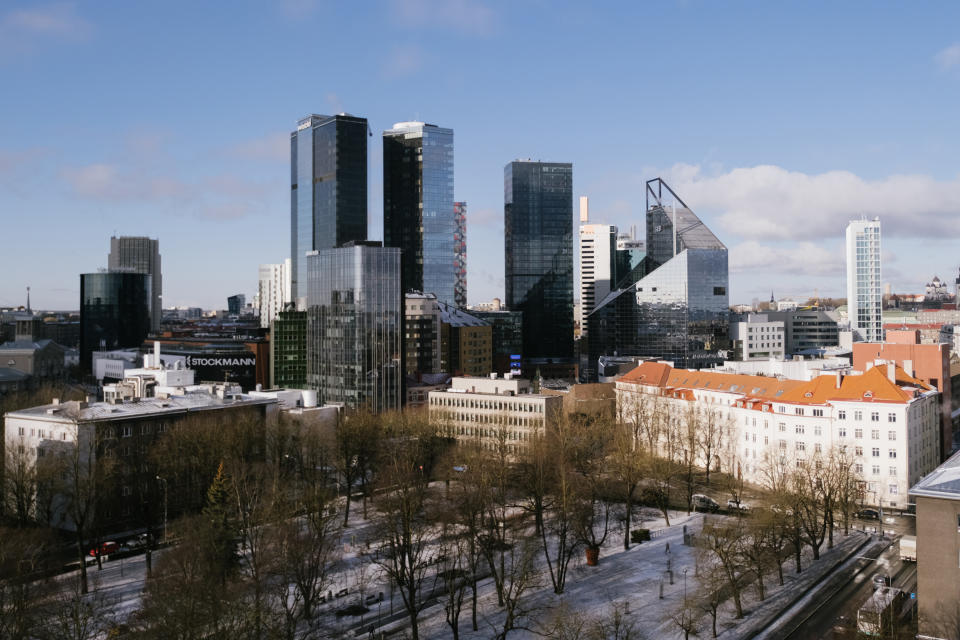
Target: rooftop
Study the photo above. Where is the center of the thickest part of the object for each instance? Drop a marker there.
(942, 482)
(74, 411)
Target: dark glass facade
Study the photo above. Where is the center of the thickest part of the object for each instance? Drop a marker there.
(328, 187)
(140, 255)
(538, 254)
(354, 324)
(418, 209)
(114, 312)
(288, 350)
(507, 337)
(677, 309)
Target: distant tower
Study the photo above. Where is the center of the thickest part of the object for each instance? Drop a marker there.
(957, 287)
(772, 299)
(138, 254)
(864, 299)
(28, 297)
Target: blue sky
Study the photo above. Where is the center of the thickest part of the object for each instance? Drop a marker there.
(776, 122)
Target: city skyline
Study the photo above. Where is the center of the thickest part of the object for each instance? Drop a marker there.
(197, 155)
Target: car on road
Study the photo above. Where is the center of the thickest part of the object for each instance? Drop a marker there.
(733, 504)
(704, 503)
(868, 514)
(880, 580)
(106, 548)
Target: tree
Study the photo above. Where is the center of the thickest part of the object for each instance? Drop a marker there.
(592, 443)
(709, 437)
(626, 464)
(722, 539)
(74, 616)
(712, 583)
(689, 428)
(519, 578)
(401, 517)
(220, 516)
(686, 616)
(19, 482)
(356, 436)
(23, 554)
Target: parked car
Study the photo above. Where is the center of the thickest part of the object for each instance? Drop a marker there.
(880, 581)
(106, 548)
(734, 504)
(704, 503)
(868, 514)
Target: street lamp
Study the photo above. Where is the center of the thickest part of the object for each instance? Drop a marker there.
(164, 481)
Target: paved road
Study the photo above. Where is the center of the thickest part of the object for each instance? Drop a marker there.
(836, 618)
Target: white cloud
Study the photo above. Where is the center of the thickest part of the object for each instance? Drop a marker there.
(403, 60)
(771, 203)
(804, 258)
(949, 57)
(216, 197)
(467, 16)
(23, 30)
(272, 147)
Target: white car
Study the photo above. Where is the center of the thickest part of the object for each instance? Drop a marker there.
(736, 505)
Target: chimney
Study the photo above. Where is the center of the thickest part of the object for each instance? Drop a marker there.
(839, 377)
(892, 372)
(584, 209)
(156, 353)
(908, 367)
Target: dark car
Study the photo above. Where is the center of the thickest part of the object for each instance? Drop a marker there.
(868, 514)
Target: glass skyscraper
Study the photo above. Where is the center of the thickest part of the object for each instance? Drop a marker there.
(114, 312)
(460, 251)
(328, 188)
(538, 254)
(676, 308)
(354, 325)
(140, 255)
(418, 209)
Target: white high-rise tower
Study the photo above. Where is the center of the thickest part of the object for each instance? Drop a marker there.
(273, 292)
(598, 252)
(864, 289)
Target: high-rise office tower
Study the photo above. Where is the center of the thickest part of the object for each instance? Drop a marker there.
(273, 290)
(236, 303)
(864, 294)
(460, 251)
(354, 325)
(139, 254)
(675, 305)
(328, 188)
(114, 312)
(418, 210)
(288, 350)
(630, 255)
(598, 253)
(538, 254)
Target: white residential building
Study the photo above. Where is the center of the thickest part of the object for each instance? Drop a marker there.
(886, 419)
(479, 408)
(758, 338)
(273, 292)
(864, 289)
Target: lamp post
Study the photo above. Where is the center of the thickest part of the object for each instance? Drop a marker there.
(164, 481)
(880, 508)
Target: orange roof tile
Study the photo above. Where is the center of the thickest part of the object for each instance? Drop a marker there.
(650, 373)
(766, 387)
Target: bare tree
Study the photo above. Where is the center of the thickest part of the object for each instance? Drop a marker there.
(686, 616)
(626, 465)
(710, 438)
(23, 554)
(520, 578)
(356, 435)
(723, 540)
(711, 586)
(689, 428)
(19, 476)
(75, 616)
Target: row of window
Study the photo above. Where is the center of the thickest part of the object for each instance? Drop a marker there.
(495, 405)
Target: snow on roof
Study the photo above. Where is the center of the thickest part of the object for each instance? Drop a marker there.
(942, 482)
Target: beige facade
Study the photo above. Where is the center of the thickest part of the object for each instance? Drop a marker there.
(938, 551)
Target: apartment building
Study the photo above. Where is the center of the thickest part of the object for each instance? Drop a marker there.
(888, 420)
(486, 409)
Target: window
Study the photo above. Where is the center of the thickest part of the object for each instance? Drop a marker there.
(858, 415)
(766, 440)
(859, 469)
(893, 453)
(719, 291)
(842, 415)
(783, 426)
(842, 432)
(876, 452)
(858, 433)
(783, 445)
(801, 446)
(799, 428)
(875, 434)
(126, 431)
(858, 451)
(817, 430)
(891, 435)
(818, 412)
(798, 411)
(817, 447)
(22, 431)
(893, 471)
(876, 469)
(891, 417)
(125, 491)
(894, 489)
(875, 416)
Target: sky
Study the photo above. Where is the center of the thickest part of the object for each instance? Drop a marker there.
(775, 122)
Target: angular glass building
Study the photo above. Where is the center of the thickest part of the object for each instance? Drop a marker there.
(418, 210)
(538, 254)
(676, 307)
(115, 312)
(354, 324)
(328, 188)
